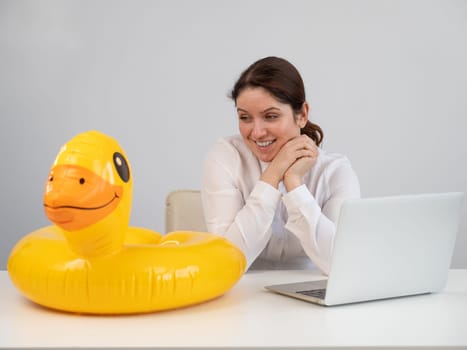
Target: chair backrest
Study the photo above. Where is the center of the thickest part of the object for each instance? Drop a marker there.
(184, 211)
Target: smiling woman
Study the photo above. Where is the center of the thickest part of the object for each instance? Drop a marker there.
(271, 190)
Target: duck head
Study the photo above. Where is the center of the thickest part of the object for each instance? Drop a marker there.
(88, 194)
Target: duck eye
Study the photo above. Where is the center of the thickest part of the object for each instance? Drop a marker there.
(122, 167)
(51, 178)
(82, 181)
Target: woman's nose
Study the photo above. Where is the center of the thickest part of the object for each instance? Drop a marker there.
(259, 129)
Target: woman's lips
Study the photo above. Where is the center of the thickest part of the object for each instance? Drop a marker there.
(264, 144)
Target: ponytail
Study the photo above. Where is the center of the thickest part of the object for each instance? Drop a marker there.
(313, 131)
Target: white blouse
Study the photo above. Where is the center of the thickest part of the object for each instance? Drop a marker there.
(275, 228)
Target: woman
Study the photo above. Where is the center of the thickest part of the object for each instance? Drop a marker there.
(271, 190)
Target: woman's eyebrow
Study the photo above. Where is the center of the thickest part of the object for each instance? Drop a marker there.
(265, 111)
(271, 109)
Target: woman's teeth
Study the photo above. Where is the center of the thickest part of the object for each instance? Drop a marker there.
(264, 143)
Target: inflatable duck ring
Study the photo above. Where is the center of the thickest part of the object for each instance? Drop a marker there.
(91, 261)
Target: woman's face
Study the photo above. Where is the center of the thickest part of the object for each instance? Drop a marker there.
(265, 123)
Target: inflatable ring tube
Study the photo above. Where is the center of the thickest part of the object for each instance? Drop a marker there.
(91, 261)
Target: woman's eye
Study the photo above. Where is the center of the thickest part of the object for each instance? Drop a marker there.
(271, 116)
(244, 118)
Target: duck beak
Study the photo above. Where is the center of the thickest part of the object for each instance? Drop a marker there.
(75, 197)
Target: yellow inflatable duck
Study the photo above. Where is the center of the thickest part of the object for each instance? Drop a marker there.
(91, 261)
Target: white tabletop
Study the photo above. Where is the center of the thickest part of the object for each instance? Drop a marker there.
(248, 316)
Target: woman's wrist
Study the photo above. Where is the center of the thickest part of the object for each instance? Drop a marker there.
(292, 182)
(270, 178)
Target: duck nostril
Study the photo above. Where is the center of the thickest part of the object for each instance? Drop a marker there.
(51, 178)
(82, 180)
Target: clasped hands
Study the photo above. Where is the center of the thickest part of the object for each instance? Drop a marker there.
(292, 162)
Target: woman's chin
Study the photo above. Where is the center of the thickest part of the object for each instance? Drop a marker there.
(264, 154)
(266, 158)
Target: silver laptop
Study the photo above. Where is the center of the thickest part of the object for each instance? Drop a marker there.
(387, 247)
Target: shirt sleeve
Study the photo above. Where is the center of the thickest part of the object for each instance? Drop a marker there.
(246, 222)
(315, 226)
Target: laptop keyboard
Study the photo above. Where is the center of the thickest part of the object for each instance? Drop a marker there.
(317, 293)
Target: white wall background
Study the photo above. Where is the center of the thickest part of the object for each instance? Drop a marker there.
(387, 81)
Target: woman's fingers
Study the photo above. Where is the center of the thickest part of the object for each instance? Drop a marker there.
(297, 148)
(303, 146)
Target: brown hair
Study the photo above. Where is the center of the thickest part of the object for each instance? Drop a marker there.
(281, 79)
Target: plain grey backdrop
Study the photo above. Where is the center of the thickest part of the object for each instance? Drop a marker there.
(386, 80)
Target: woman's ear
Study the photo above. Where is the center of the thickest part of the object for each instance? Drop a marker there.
(302, 116)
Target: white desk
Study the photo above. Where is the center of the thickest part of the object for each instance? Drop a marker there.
(249, 316)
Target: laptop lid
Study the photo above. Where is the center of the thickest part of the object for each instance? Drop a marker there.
(389, 247)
